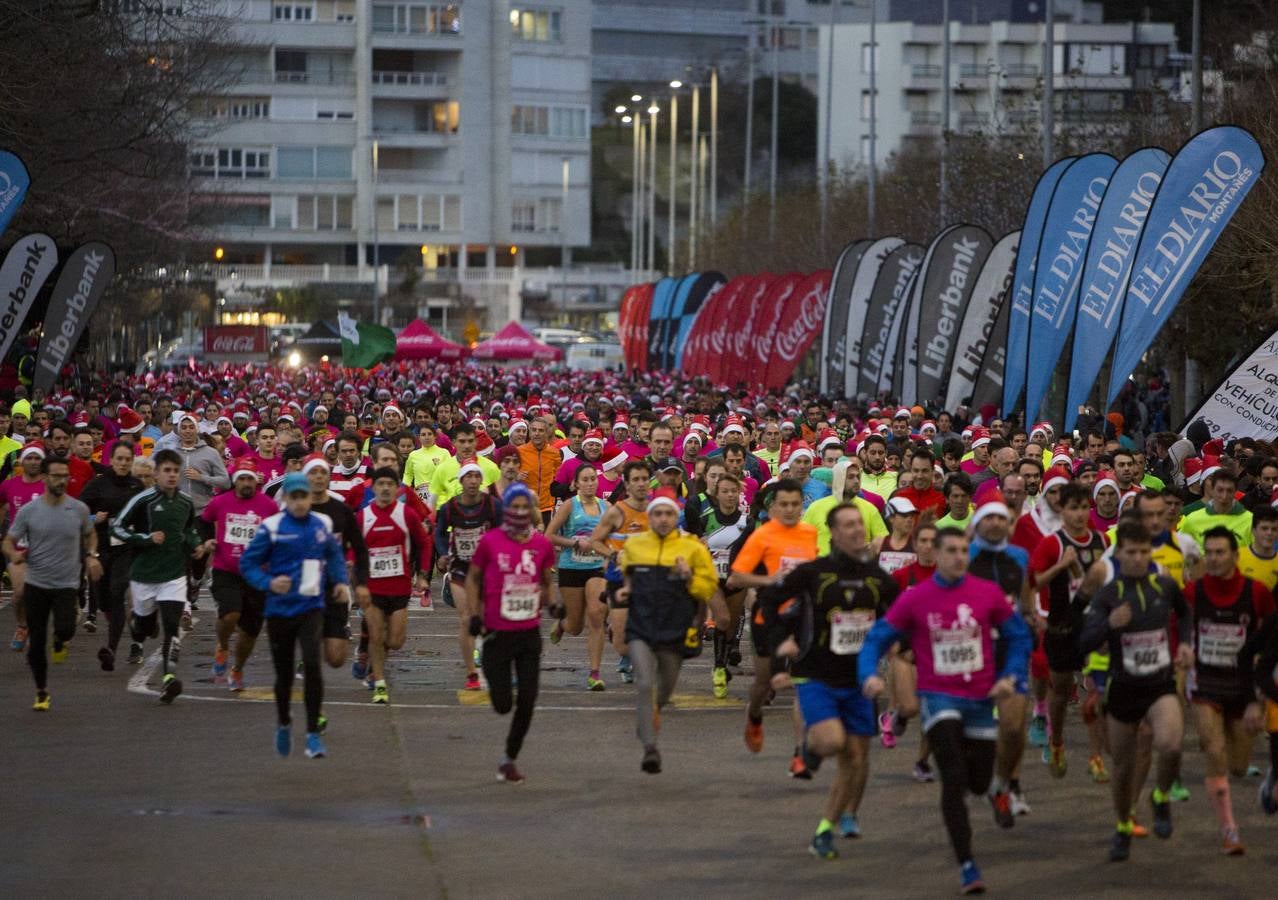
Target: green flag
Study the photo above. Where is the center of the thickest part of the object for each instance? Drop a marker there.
(364, 344)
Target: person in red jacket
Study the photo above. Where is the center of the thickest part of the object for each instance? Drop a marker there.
(920, 490)
(1045, 517)
(397, 545)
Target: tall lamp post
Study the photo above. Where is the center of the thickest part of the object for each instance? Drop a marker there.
(651, 260)
(674, 168)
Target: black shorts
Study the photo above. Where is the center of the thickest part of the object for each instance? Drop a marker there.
(1230, 707)
(232, 594)
(453, 588)
(577, 578)
(1130, 704)
(610, 595)
(759, 637)
(390, 605)
(337, 621)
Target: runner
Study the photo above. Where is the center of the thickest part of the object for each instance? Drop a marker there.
(619, 522)
(15, 493)
(397, 543)
(669, 576)
(295, 560)
(1228, 610)
(772, 550)
(460, 524)
(336, 630)
(507, 584)
(235, 517)
(897, 549)
(45, 540)
(903, 675)
(159, 525)
(948, 621)
(581, 568)
(1259, 561)
(1133, 614)
(839, 597)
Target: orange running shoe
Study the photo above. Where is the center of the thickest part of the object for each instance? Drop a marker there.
(754, 735)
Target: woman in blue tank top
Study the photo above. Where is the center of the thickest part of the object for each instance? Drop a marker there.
(569, 530)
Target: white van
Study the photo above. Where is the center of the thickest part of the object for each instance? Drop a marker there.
(594, 356)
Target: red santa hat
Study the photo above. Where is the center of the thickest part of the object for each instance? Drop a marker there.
(1056, 476)
(991, 504)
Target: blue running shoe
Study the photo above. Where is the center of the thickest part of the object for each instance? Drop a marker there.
(359, 668)
(970, 879)
(314, 746)
(1267, 794)
(822, 846)
(1038, 731)
(284, 740)
(849, 827)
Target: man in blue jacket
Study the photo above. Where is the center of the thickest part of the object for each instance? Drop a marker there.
(295, 558)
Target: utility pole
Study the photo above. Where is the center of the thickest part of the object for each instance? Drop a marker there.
(871, 198)
(945, 112)
(749, 132)
(653, 110)
(674, 159)
(823, 174)
(714, 146)
(1049, 77)
(377, 256)
(772, 154)
(692, 178)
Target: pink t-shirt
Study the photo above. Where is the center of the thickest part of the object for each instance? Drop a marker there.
(267, 468)
(512, 578)
(949, 627)
(236, 522)
(16, 493)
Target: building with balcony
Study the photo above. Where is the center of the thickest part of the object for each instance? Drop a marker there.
(996, 74)
(366, 134)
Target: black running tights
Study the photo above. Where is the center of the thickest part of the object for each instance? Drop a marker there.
(965, 765)
(522, 649)
(285, 633)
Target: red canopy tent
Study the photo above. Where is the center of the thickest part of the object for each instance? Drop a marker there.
(514, 343)
(419, 341)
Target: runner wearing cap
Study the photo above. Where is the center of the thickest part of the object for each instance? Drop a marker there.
(581, 568)
(897, 549)
(105, 496)
(619, 522)
(460, 523)
(235, 517)
(15, 493)
(669, 576)
(507, 584)
(336, 628)
(296, 561)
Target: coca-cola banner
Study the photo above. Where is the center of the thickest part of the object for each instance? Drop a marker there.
(236, 340)
(766, 322)
(748, 315)
(797, 327)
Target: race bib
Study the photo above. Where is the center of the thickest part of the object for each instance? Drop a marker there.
(722, 558)
(848, 630)
(385, 562)
(519, 599)
(1220, 643)
(239, 529)
(1146, 653)
(465, 540)
(789, 562)
(312, 569)
(957, 652)
(586, 557)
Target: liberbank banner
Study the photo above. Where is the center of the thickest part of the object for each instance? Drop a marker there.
(947, 287)
(88, 271)
(1245, 404)
(1203, 188)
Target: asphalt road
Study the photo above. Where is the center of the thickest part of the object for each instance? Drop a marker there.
(113, 793)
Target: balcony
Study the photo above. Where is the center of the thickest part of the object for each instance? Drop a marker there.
(417, 176)
(973, 121)
(323, 79)
(410, 85)
(923, 78)
(1020, 70)
(405, 136)
(924, 123)
(974, 70)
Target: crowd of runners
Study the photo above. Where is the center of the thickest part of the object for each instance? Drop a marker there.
(860, 565)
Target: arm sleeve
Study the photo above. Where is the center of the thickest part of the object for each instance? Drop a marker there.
(1267, 639)
(421, 543)
(882, 635)
(253, 560)
(705, 580)
(218, 480)
(1096, 621)
(1019, 644)
(123, 525)
(359, 553)
(335, 560)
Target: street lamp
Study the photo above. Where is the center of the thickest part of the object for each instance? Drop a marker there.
(563, 233)
(674, 160)
(651, 259)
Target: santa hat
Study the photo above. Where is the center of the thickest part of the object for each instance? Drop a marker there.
(593, 436)
(129, 421)
(1042, 428)
(621, 422)
(315, 460)
(701, 423)
(518, 423)
(828, 438)
(1192, 468)
(733, 423)
(467, 468)
(1127, 497)
(980, 437)
(798, 449)
(1056, 476)
(244, 466)
(484, 445)
(1273, 498)
(902, 413)
(662, 497)
(391, 407)
(991, 504)
(1061, 456)
(613, 458)
(1104, 481)
(34, 448)
(927, 426)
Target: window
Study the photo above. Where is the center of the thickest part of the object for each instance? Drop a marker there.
(406, 217)
(530, 120)
(239, 108)
(417, 18)
(290, 66)
(866, 62)
(523, 216)
(791, 38)
(320, 212)
(231, 162)
(235, 210)
(294, 11)
(867, 107)
(567, 122)
(536, 24)
(865, 148)
(332, 162)
(313, 162)
(549, 212)
(282, 211)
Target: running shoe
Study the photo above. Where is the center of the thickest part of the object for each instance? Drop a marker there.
(321, 724)
(172, 687)
(1267, 802)
(381, 696)
(626, 669)
(923, 772)
(1178, 793)
(1096, 768)
(1120, 848)
(472, 682)
(359, 667)
(849, 827)
(754, 734)
(19, 642)
(91, 623)
(734, 654)
(1230, 843)
(60, 652)
(898, 725)
(822, 846)
(315, 748)
(720, 678)
(135, 654)
(594, 682)
(508, 773)
(557, 633)
(886, 737)
(1057, 762)
(1162, 817)
(186, 619)
(41, 702)
(1016, 798)
(219, 663)
(284, 740)
(235, 680)
(195, 604)
(1139, 830)
(175, 653)
(651, 761)
(1001, 803)
(106, 657)
(798, 769)
(1254, 772)
(970, 879)
(1038, 731)
(810, 759)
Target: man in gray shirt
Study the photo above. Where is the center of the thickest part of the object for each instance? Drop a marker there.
(59, 536)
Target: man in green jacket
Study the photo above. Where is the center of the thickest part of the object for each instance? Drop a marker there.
(1220, 509)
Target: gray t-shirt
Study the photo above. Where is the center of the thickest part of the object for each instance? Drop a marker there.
(54, 535)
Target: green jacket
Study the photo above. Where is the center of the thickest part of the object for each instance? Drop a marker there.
(1200, 521)
(147, 513)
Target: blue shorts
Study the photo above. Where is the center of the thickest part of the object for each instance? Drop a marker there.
(819, 702)
(977, 716)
